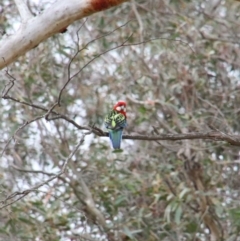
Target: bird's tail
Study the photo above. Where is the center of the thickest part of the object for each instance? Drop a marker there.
(116, 137)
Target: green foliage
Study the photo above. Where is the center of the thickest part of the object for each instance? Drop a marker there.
(183, 78)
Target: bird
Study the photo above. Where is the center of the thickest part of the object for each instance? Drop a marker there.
(115, 121)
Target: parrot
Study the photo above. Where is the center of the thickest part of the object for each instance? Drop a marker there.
(115, 121)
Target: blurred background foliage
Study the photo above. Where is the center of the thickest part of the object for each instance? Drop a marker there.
(179, 73)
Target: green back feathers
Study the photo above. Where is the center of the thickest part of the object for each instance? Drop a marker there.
(115, 120)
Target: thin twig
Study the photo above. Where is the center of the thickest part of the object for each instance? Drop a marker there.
(11, 84)
(50, 110)
(58, 115)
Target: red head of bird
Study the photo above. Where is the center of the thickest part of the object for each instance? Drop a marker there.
(121, 107)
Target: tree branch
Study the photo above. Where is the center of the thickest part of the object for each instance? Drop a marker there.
(210, 135)
(58, 17)
(23, 10)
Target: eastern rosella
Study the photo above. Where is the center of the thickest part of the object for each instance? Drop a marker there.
(115, 121)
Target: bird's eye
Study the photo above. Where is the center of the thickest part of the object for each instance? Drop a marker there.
(118, 108)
